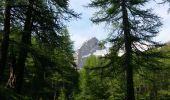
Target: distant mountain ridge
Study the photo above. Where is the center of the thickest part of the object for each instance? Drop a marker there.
(90, 47)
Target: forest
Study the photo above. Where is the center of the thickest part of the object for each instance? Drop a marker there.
(37, 54)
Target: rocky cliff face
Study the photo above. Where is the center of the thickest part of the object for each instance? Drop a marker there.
(90, 47)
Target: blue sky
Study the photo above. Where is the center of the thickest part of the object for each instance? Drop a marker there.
(83, 29)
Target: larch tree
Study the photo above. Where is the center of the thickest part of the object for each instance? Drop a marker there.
(47, 27)
(26, 40)
(5, 37)
(133, 29)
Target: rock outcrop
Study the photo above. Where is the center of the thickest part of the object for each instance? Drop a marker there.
(90, 47)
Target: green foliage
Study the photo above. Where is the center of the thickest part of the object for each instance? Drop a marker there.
(49, 74)
(99, 79)
(154, 82)
(95, 84)
(62, 95)
(7, 94)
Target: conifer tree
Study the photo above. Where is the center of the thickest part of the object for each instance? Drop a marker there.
(5, 37)
(46, 27)
(26, 40)
(133, 30)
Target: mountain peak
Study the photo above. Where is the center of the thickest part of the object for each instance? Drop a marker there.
(90, 47)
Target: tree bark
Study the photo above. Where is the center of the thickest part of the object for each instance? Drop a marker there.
(26, 42)
(12, 69)
(5, 39)
(128, 53)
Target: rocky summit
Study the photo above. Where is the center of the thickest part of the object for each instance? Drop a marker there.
(90, 47)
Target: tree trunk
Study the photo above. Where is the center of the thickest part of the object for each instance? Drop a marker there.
(12, 69)
(128, 53)
(26, 42)
(5, 40)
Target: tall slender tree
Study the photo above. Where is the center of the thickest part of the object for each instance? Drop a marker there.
(5, 37)
(26, 40)
(133, 31)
